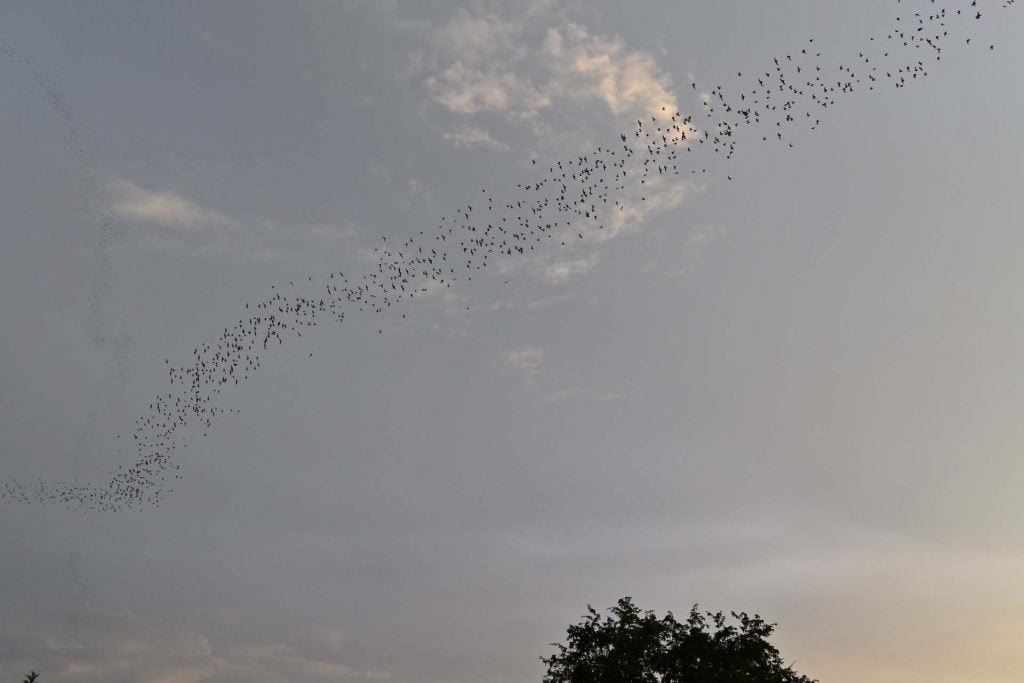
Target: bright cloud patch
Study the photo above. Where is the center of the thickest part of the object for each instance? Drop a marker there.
(135, 203)
(600, 67)
(658, 196)
(562, 271)
(470, 136)
(173, 224)
(521, 66)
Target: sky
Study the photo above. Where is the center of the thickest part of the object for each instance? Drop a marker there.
(782, 381)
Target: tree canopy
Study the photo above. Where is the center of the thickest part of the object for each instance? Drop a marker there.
(634, 646)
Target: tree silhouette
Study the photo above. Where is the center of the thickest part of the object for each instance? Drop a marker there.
(631, 646)
(32, 677)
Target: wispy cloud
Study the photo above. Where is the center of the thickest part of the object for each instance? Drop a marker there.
(635, 208)
(467, 90)
(521, 66)
(172, 223)
(563, 271)
(587, 66)
(118, 646)
(525, 362)
(471, 136)
(132, 202)
(658, 196)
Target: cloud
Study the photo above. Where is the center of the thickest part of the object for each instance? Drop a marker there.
(599, 67)
(562, 271)
(519, 67)
(174, 224)
(468, 90)
(525, 362)
(478, 35)
(171, 223)
(542, 72)
(133, 202)
(658, 197)
(120, 646)
(470, 137)
(498, 72)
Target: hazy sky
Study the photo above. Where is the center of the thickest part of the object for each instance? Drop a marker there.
(795, 392)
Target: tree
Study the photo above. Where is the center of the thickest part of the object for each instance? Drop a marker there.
(631, 646)
(32, 677)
